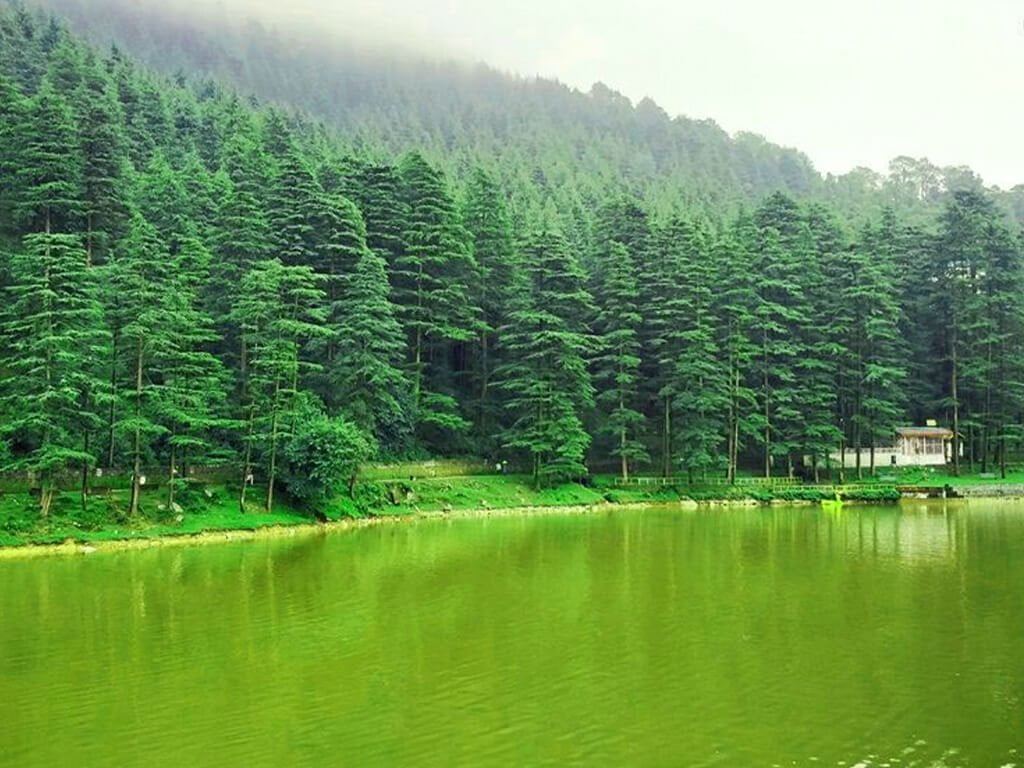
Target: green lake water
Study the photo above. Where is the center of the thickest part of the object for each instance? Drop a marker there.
(735, 637)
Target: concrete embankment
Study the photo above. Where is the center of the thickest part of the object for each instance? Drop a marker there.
(989, 491)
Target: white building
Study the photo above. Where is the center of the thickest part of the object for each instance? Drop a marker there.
(915, 447)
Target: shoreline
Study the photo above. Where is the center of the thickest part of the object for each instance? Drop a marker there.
(73, 547)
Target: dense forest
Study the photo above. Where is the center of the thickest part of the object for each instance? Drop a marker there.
(195, 277)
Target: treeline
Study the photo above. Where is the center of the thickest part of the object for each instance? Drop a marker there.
(193, 278)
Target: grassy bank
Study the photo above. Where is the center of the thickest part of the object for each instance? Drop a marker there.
(105, 518)
(938, 477)
(214, 508)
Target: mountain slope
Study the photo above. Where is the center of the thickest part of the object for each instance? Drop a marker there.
(457, 112)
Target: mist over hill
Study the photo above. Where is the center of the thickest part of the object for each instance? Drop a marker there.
(390, 97)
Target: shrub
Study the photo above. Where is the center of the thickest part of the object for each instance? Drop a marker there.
(323, 458)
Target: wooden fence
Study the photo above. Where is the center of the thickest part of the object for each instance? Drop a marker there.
(743, 482)
(645, 481)
(101, 479)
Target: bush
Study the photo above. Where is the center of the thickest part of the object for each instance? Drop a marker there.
(874, 494)
(323, 458)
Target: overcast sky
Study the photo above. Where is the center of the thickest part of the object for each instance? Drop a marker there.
(849, 83)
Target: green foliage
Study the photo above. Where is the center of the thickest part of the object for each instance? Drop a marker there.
(279, 309)
(432, 279)
(617, 366)
(546, 379)
(324, 455)
(48, 165)
(53, 325)
(486, 218)
(365, 349)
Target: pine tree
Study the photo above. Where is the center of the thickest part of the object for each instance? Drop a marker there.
(616, 369)
(204, 192)
(240, 239)
(377, 190)
(735, 303)
(817, 248)
(365, 374)
(49, 166)
(960, 260)
(160, 198)
(779, 308)
(279, 309)
(697, 382)
(296, 203)
(487, 220)
(104, 155)
(343, 242)
(876, 351)
(1004, 392)
(431, 288)
(192, 399)
(546, 378)
(12, 134)
(679, 332)
(141, 279)
(54, 330)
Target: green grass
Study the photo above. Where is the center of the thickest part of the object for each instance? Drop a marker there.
(938, 476)
(420, 470)
(215, 508)
(105, 518)
(468, 492)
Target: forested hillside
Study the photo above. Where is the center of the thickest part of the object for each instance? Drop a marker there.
(534, 135)
(192, 278)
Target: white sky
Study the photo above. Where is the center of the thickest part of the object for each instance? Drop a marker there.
(849, 83)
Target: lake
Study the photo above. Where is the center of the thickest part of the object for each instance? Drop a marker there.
(719, 637)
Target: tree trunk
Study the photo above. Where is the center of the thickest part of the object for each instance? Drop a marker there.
(622, 455)
(113, 401)
(88, 240)
(666, 440)
(418, 370)
(418, 346)
(734, 428)
(485, 378)
(133, 507)
(243, 367)
(247, 466)
(170, 477)
(956, 408)
(858, 447)
(972, 445)
(986, 439)
(45, 498)
(767, 410)
(272, 469)
(85, 470)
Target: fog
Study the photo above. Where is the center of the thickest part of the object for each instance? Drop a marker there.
(851, 84)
